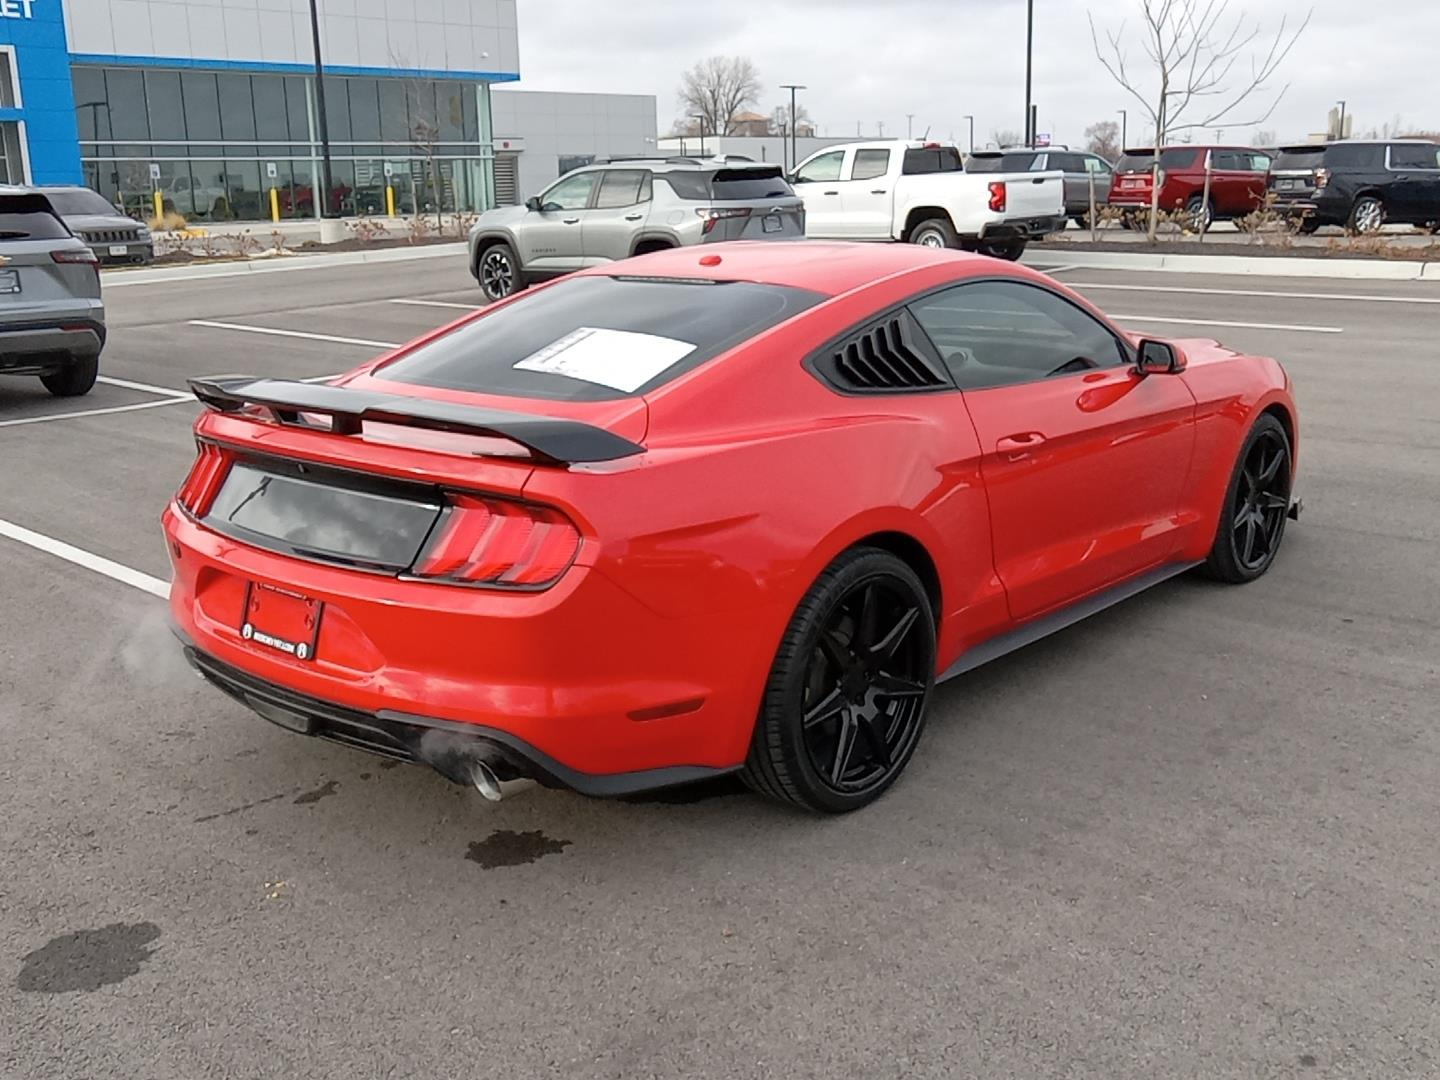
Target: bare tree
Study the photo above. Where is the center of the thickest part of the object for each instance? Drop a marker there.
(1193, 48)
(780, 121)
(1103, 139)
(1003, 138)
(425, 140)
(718, 89)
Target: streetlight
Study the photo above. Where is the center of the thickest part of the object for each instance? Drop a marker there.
(700, 117)
(972, 131)
(1124, 124)
(1341, 133)
(1029, 52)
(792, 87)
(909, 125)
(324, 124)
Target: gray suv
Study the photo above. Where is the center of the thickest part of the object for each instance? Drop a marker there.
(112, 236)
(611, 211)
(1078, 168)
(52, 322)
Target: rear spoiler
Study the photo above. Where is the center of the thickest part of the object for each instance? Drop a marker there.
(556, 440)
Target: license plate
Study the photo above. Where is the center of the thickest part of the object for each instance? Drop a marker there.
(771, 223)
(1289, 185)
(284, 621)
(9, 281)
(119, 249)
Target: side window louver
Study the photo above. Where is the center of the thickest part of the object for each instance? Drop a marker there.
(886, 357)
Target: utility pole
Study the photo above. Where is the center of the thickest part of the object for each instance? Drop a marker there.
(880, 126)
(1124, 125)
(792, 87)
(323, 123)
(909, 125)
(1029, 53)
(1341, 133)
(972, 131)
(700, 119)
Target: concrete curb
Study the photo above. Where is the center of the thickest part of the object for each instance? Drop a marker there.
(276, 264)
(1260, 266)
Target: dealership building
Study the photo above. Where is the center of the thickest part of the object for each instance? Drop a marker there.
(213, 104)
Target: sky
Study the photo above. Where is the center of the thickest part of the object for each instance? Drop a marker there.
(875, 61)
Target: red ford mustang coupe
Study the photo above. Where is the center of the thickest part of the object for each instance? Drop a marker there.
(699, 513)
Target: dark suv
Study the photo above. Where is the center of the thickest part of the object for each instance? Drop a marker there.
(1361, 185)
(1237, 182)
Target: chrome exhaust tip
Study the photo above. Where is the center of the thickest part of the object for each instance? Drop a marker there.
(485, 780)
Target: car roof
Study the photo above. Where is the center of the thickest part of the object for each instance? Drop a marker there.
(829, 268)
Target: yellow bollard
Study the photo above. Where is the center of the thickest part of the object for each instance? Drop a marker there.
(389, 200)
(274, 205)
(159, 207)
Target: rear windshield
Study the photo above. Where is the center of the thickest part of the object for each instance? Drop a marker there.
(598, 338)
(931, 159)
(29, 217)
(748, 183)
(1309, 157)
(1133, 161)
(80, 201)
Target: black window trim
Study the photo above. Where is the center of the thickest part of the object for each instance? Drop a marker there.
(646, 192)
(817, 357)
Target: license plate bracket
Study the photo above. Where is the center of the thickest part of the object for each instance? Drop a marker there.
(771, 223)
(283, 621)
(119, 249)
(9, 281)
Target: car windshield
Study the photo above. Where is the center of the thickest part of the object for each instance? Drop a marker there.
(983, 163)
(1134, 161)
(78, 201)
(598, 338)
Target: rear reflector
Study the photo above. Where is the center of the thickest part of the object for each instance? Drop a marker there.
(496, 542)
(997, 195)
(203, 482)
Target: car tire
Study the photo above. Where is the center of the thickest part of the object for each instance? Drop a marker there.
(1366, 216)
(1307, 226)
(497, 269)
(844, 706)
(935, 233)
(1199, 215)
(1009, 250)
(75, 379)
(1256, 508)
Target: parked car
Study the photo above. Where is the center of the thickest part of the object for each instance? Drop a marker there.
(1237, 182)
(1360, 185)
(919, 193)
(194, 198)
(114, 237)
(52, 321)
(1079, 169)
(610, 211)
(694, 515)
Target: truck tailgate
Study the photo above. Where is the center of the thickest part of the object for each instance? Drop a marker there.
(1029, 195)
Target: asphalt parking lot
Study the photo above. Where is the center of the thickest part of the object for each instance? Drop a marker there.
(1192, 837)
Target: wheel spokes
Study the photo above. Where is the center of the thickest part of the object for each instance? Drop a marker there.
(891, 687)
(887, 645)
(829, 707)
(844, 746)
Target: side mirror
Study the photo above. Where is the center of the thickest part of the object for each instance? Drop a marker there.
(1159, 358)
(532, 203)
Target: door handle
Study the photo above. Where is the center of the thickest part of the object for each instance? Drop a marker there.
(877, 191)
(831, 193)
(572, 221)
(633, 217)
(1021, 443)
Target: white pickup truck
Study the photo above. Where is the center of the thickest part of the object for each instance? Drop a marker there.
(918, 192)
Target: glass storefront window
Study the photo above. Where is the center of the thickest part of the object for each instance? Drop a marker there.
(164, 106)
(125, 93)
(202, 108)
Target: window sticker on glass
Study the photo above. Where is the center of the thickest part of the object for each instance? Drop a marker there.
(620, 359)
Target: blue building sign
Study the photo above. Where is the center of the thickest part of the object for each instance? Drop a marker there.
(37, 100)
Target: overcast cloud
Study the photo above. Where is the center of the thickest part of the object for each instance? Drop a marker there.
(869, 61)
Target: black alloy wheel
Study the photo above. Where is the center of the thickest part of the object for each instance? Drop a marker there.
(498, 272)
(846, 700)
(1253, 523)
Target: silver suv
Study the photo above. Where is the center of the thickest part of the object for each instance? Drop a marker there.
(611, 211)
(52, 322)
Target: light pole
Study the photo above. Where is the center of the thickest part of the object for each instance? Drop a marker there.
(971, 119)
(700, 119)
(1341, 133)
(1029, 51)
(909, 125)
(322, 122)
(792, 87)
(1124, 124)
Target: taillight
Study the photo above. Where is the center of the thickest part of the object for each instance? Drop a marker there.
(86, 256)
(997, 195)
(203, 482)
(1322, 178)
(501, 543)
(712, 214)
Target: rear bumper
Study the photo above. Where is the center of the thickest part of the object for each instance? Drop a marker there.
(1024, 228)
(445, 745)
(141, 251)
(50, 344)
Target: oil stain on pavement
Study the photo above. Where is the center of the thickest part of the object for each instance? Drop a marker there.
(327, 788)
(88, 959)
(504, 847)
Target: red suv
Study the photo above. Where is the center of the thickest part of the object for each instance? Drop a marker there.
(1237, 181)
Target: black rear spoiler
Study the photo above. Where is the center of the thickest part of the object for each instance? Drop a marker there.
(556, 440)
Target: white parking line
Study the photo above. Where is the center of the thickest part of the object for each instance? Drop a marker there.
(1251, 292)
(77, 414)
(1240, 325)
(366, 342)
(437, 303)
(163, 391)
(90, 561)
